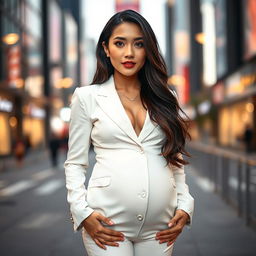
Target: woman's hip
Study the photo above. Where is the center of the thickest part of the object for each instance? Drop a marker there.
(128, 247)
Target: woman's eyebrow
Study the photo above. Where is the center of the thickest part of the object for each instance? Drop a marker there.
(123, 38)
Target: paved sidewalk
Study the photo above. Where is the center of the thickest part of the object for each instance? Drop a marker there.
(33, 156)
(216, 230)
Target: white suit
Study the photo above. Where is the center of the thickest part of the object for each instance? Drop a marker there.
(130, 182)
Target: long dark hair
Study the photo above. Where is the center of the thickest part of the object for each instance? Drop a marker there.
(161, 103)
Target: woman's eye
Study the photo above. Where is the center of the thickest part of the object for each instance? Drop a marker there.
(118, 43)
(139, 44)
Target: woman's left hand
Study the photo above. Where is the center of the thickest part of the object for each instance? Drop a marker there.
(176, 225)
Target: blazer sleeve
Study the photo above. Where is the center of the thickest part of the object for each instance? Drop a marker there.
(185, 200)
(77, 160)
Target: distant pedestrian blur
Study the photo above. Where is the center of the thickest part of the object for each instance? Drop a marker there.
(248, 138)
(19, 151)
(54, 146)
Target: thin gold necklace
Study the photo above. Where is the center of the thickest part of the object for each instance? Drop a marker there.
(131, 99)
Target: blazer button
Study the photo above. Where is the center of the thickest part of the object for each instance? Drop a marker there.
(71, 218)
(143, 194)
(140, 217)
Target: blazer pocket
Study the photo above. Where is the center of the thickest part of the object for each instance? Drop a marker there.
(173, 182)
(99, 182)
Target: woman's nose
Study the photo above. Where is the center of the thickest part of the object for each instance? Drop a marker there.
(129, 51)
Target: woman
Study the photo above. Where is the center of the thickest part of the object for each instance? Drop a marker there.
(137, 201)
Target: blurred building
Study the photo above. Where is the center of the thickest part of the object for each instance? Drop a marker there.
(40, 62)
(122, 5)
(211, 62)
(21, 75)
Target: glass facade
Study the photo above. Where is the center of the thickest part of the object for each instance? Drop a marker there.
(21, 80)
(224, 31)
(249, 15)
(221, 37)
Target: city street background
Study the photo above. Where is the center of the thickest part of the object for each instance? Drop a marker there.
(47, 49)
(34, 218)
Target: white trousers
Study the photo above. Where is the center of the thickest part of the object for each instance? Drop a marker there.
(128, 247)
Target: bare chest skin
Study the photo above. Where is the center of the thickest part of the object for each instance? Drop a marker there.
(136, 113)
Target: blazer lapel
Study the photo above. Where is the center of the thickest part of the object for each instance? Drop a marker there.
(148, 127)
(110, 103)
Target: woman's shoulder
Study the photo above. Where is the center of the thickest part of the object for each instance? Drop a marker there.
(86, 92)
(87, 89)
(86, 95)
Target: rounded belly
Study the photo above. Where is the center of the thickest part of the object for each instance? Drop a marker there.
(126, 190)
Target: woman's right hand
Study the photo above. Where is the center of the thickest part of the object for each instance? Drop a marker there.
(101, 235)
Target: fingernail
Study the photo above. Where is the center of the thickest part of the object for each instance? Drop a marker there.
(111, 222)
(169, 225)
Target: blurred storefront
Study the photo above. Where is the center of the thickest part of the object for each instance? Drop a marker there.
(221, 64)
(39, 66)
(21, 80)
(184, 54)
(236, 105)
(7, 120)
(63, 60)
(33, 107)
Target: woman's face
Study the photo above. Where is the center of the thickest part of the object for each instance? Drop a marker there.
(126, 49)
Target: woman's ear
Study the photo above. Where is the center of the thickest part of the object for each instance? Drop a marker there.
(105, 48)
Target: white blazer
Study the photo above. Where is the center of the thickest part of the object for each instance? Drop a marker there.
(122, 176)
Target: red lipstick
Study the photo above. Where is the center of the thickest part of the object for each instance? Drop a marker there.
(129, 64)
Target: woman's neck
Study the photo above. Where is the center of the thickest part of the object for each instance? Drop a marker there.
(126, 83)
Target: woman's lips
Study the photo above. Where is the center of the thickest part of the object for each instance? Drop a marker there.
(129, 64)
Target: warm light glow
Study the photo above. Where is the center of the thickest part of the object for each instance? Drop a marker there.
(19, 83)
(245, 117)
(5, 141)
(237, 84)
(34, 85)
(13, 121)
(58, 84)
(57, 103)
(66, 82)
(25, 109)
(200, 38)
(177, 80)
(181, 45)
(232, 121)
(249, 107)
(35, 129)
(11, 38)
